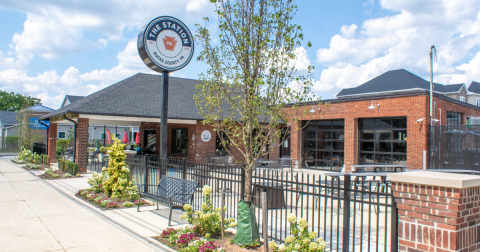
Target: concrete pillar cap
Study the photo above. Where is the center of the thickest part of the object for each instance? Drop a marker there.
(441, 179)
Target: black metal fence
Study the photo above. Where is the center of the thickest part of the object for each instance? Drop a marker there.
(39, 148)
(348, 215)
(455, 147)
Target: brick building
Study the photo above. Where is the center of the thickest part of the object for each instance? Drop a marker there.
(385, 120)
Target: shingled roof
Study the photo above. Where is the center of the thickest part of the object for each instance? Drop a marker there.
(138, 96)
(397, 81)
(474, 87)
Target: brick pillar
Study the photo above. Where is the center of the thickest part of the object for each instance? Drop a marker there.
(296, 142)
(81, 157)
(52, 142)
(351, 143)
(437, 211)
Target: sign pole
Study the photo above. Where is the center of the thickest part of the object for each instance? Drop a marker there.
(164, 118)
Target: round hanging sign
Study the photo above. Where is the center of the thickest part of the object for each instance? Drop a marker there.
(206, 135)
(165, 44)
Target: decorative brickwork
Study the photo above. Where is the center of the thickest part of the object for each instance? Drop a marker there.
(81, 157)
(52, 142)
(433, 218)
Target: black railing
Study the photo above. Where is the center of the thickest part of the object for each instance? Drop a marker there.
(348, 215)
(455, 147)
(39, 148)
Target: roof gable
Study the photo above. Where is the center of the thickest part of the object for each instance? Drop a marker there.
(474, 87)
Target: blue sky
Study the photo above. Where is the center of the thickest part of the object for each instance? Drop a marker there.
(50, 48)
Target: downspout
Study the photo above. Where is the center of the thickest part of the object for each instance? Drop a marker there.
(47, 133)
(74, 136)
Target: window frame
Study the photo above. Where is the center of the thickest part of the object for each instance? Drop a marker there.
(173, 147)
(462, 98)
(377, 143)
(218, 145)
(64, 135)
(477, 101)
(455, 117)
(102, 136)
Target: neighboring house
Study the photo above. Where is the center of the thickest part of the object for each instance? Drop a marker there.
(401, 81)
(473, 94)
(7, 121)
(69, 99)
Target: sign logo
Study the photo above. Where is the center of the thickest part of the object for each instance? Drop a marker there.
(206, 136)
(165, 44)
(33, 123)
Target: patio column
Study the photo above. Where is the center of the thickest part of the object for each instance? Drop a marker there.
(296, 142)
(437, 211)
(52, 142)
(82, 143)
(351, 143)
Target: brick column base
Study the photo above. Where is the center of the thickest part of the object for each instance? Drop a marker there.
(82, 142)
(434, 217)
(52, 142)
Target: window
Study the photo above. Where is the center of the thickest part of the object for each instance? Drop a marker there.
(382, 140)
(478, 102)
(61, 134)
(323, 144)
(180, 141)
(219, 149)
(454, 118)
(462, 98)
(102, 135)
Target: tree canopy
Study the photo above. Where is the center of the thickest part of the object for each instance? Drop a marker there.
(13, 102)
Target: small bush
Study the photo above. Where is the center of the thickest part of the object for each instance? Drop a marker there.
(67, 175)
(128, 204)
(113, 204)
(48, 160)
(168, 232)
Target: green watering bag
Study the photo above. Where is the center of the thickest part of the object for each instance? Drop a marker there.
(247, 228)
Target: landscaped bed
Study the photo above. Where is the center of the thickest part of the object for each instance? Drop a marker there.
(103, 201)
(31, 166)
(58, 174)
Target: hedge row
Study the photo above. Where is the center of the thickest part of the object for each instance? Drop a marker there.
(68, 166)
(45, 159)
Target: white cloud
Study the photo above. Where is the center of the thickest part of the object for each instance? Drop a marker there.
(302, 62)
(403, 40)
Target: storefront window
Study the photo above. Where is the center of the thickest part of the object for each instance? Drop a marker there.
(323, 144)
(454, 118)
(219, 149)
(383, 140)
(180, 141)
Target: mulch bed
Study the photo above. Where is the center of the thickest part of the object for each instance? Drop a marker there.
(224, 243)
(42, 167)
(59, 172)
(105, 196)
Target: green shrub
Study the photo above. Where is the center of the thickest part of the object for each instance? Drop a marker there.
(48, 160)
(11, 142)
(37, 159)
(74, 169)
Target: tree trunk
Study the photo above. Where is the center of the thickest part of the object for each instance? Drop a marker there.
(248, 186)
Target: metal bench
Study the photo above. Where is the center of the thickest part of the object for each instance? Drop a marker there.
(170, 191)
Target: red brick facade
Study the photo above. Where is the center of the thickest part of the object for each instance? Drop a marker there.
(412, 107)
(81, 145)
(52, 142)
(437, 218)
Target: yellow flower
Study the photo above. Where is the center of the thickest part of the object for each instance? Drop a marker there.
(306, 241)
(218, 209)
(187, 207)
(183, 216)
(289, 239)
(313, 235)
(313, 246)
(207, 236)
(272, 245)
(297, 246)
(231, 219)
(302, 223)
(281, 247)
(322, 245)
(203, 207)
(233, 224)
(207, 190)
(291, 218)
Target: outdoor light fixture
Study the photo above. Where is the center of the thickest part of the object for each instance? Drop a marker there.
(312, 110)
(420, 120)
(373, 106)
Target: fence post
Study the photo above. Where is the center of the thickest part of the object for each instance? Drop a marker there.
(264, 220)
(394, 232)
(222, 211)
(346, 214)
(145, 167)
(184, 168)
(242, 182)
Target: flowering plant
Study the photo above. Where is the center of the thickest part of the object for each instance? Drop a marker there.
(203, 245)
(299, 239)
(67, 175)
(112, 204)
(183, 240)
(128, 204)
(104, 203)
(168, 232)
(142, 202)
(207, 221)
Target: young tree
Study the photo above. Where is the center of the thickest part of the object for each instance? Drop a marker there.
(14, 102)
(27, 136)
(252, 76)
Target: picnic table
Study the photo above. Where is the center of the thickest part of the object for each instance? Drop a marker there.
(361, 168)
(451, 171)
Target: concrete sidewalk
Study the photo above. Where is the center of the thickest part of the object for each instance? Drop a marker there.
(44, 215)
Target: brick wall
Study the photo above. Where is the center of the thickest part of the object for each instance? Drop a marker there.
(81, 157)
(203, 148)
(433, 218)
(412, 107)
(52, 142)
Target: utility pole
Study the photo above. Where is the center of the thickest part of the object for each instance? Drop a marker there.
(433, 53)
